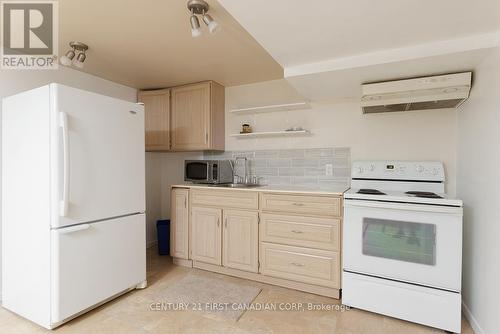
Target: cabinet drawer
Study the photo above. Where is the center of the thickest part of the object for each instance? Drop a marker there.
(300, 264)
(225, 198)
(322, 233)
(305, 204)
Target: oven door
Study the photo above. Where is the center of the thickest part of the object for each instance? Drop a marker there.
(197, 171)
(414, 243)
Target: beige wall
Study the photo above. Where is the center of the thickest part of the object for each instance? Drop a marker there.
(420, 135)
(479, 187)
(162, 171)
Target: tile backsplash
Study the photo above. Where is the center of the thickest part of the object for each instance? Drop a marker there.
(314, 167)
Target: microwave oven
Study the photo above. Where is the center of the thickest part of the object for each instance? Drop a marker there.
(208, 171)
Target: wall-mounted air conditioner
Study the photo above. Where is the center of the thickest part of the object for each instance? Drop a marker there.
(435, 92)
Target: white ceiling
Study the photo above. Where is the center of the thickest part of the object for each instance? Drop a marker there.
(328, 48)
(298, 32)
(148, 44)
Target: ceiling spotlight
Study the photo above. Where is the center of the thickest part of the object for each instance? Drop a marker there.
(195, 26)
(200, 7)
(80, 59)
(68, 57)
(78, 49)
(212, 25)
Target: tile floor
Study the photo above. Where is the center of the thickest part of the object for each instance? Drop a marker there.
(131, 313)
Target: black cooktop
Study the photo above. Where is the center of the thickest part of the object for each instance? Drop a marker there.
(370, 192)
(424, 194)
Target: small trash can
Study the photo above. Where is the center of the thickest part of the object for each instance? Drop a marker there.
(163, 234)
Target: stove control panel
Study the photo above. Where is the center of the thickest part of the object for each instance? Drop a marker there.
(398, 170)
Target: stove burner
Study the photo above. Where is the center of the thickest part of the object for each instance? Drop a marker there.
(370, 192)
(424, 194)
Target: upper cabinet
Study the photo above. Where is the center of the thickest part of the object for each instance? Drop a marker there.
(156, 118)
(185, 118)
(197, 117)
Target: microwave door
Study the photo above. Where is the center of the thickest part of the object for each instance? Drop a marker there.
(197, 171)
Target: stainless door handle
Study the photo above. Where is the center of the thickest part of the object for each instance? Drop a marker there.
(298, 204)
(225, 222)
(297, 232)
(218, 222)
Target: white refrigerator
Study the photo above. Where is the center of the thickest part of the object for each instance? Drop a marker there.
(73, 202)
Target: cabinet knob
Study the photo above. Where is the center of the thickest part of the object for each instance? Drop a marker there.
(297, 264)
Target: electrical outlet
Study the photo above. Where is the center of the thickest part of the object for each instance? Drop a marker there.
(328, 169)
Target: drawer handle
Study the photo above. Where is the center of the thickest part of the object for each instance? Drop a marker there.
(298, 204)
(297, 232)
(72, 229)
(297, 264)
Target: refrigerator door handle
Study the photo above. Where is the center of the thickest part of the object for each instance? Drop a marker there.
(75, 228)
(63, 204)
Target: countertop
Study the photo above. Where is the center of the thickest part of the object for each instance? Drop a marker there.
(338, 190)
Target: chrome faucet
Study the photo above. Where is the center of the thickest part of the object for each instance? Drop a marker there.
(240, 178)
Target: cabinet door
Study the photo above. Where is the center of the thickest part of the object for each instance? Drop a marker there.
(179, 232)
(191, 117)
(157, 119)
(206, 235)
(240, 240)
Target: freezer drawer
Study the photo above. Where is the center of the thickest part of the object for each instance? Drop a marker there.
(92, 262)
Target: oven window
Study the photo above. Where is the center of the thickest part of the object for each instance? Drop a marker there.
(399, 240)
(196, 170)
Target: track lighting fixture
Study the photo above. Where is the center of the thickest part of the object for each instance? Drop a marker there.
(200, 7)
(78, 49)
(195, 26)
(212, 25)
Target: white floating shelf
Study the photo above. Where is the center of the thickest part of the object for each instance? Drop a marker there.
(271, 134)
(272, 108)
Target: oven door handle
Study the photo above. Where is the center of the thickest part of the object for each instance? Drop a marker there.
(403, 206)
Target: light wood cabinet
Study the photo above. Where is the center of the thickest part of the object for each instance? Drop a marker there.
(240, 240)
(301, 204)
(197, 116)
(313, 232)
(307, 265)
(156, 118)
(287, 239)
(227, 198)
(179, 224)
(206, 235)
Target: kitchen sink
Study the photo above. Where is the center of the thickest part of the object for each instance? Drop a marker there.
(236, 185)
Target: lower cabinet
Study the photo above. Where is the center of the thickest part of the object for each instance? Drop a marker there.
(240, 240)
(233, 243)
(179, 223)
(313, 266)
(206, 235)
(261, 236)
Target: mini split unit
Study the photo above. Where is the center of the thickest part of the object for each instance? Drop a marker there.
(436, 92)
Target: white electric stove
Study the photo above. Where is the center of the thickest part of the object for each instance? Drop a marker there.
(402, 243)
